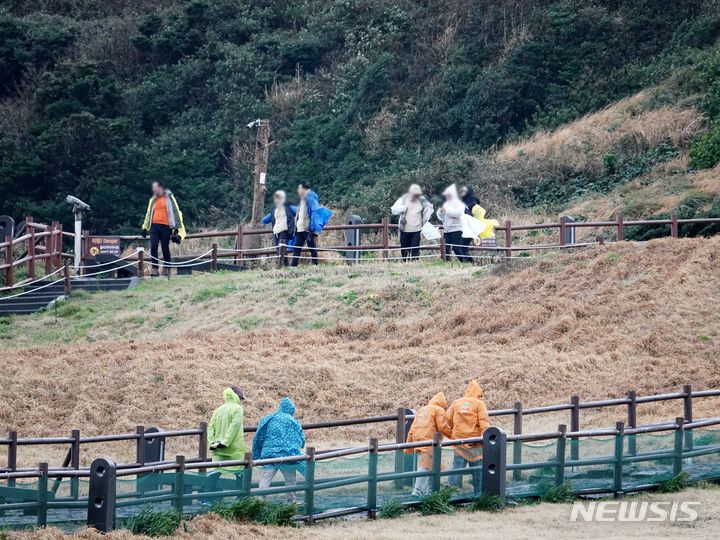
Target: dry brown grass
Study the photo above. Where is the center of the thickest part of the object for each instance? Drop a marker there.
(595, 323)
(625, 127)
(528, 522)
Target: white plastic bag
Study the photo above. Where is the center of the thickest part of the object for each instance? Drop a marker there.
(471, 227)
(430, 231)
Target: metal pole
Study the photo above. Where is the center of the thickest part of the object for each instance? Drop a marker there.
(12, 455)
(494, 462)
(78, 241)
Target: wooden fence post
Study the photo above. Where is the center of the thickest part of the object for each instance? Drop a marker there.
(517, 445)
(12, 455)
(560, 455)
(57, 245)
(42, 495)
(140, 445)
(179, 488)
(674, 229)
(399, 439)
(678, 447)
(50, 248)
(310, 485)
(620, 228)
(282, 256)
(632, 421)
(203, 442)
(688, 414)
(575, 426)
(385, 237)
(442, 247)
(618, 470)
(239, 245)
(66, 279)
(84, 250)
(141, 262)
(9, 261)
(563, 230)
(30, 246)
(508, 238)
(436, 462)
(75, 463)
(372, 477)
(213, 261)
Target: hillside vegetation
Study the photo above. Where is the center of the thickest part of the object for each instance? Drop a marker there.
(98, 97)
(359, 341)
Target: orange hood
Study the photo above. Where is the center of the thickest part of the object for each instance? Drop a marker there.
(474, 390)
(439, 400)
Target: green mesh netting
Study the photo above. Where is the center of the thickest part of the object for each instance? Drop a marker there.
(342, 483)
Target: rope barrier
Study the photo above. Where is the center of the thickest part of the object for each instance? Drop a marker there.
(50, 283)
(38, 280)
(84, 276)
(109, 262)
(183, 263)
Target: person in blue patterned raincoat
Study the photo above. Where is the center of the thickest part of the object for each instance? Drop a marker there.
(279, 435)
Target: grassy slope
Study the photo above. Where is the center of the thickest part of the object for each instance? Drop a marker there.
(525, 522)
(359, 341)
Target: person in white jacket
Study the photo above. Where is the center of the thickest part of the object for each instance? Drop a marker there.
(414, 211)
(451, 215)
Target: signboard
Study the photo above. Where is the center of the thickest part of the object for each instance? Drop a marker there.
(104, 245)
(262, 178)
(488, 242)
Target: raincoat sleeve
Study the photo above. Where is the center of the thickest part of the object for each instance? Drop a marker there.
(483, 417)
(259, 438)
(449, 419)
(180, 223)
(267, 219)
(148, 213)
(428, 210)
(441, 424)
(478, 212)
(398, 208)
(441, 214)
(235, 429)
(212, 429)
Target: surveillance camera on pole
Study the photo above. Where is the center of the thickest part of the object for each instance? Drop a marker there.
(78, 207)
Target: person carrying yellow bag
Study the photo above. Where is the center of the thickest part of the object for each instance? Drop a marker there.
(468, 417)
(429, 420)
(472, 203)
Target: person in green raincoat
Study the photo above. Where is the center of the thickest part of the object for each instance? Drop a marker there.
(225, 431)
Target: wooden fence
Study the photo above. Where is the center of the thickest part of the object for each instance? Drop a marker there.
(402, 419)
(43, 244)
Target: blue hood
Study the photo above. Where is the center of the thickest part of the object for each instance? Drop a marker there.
(287, 406)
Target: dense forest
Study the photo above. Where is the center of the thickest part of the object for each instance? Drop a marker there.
(99, 97)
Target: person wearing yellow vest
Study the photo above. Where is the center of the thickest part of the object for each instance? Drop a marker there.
(164, 222)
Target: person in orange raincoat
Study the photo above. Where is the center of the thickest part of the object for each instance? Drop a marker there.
(468, 417)
(429, 420)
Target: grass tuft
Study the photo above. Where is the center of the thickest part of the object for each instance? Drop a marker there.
(487, 503)
(674, 484)
(154, 523)
(558, 494)
(437, 502)
(391, 509)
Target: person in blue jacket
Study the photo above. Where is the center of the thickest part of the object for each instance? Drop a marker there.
(310, 220)
(282, 219)
(279, 435)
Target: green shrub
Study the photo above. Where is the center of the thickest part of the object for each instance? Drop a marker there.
(674, 484)
(705, 150)
(208, 293)
(437, 502)
(278, 514)
(248, 509)
(154, 523)
(391, 509)
(558, 494)
(487, 503)
(67, 309)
